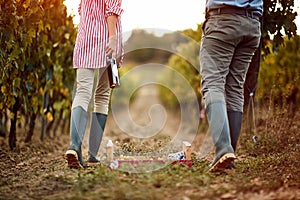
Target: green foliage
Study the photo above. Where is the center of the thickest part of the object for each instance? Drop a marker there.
(37, 39)
(278, 21)
(143, 46)
(279, 79)
(17, 19)
(185, 68)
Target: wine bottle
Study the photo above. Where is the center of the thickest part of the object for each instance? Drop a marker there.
(113, 73)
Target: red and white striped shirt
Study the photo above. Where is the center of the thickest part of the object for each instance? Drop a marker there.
(92, 36)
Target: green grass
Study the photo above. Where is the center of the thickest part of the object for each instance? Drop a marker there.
(267, 169)
(266, 166)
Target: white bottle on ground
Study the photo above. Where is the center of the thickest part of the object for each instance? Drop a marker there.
(110, 151)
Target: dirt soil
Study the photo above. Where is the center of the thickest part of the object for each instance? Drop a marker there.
(270, 170)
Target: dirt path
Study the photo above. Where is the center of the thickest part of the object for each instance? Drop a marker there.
(147, 117)
(38, 170)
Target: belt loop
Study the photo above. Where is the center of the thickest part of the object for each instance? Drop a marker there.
(250, 14)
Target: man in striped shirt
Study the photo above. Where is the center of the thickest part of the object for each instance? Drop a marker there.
(231, 34)
(99, 36)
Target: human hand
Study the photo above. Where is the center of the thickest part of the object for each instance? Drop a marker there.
(111, 46)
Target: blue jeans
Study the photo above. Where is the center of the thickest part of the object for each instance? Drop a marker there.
(227, 46)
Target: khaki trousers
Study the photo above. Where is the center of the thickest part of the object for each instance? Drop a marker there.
(85, 86)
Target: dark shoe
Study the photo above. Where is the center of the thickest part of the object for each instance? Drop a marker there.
(221, 163)
(74, 162)
(91, 161)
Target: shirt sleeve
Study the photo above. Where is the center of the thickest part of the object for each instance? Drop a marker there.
(113, 7)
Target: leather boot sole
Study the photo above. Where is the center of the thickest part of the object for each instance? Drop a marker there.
(92, 164)
(224, 161)
(72, 159)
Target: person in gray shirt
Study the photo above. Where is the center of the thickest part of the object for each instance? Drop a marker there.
(231, 35)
